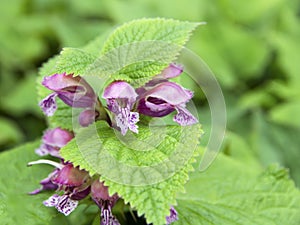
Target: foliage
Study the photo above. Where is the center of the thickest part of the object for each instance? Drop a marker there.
(252, 48)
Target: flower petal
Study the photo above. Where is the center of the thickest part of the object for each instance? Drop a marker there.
(48, 104)
(87, 117)
(57, 137)
(173, 70)
(132, 120)
(169, 92)
(52, 201)
(155, 110)
(81, 193)
(107, 218)
(53, 140)
(70, 176)
(163, 98)
(46, 183)
(122, 121)
(120, 90)
(42, 150)
(66, 205)
(172, 217)
(126, 119)
(63, 203)
(99, 193)
(184, 117)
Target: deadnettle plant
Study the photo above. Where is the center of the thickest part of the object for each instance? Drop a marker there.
(157, 98)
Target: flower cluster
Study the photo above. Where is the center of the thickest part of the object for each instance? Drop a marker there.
(157, 98)
(75, 184)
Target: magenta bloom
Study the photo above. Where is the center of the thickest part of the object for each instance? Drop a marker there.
(172, 217)
(120, 98)
(105, 202)
(53, 141)
(76, 186)
(75, 183)
(164, 98)
(74, 91)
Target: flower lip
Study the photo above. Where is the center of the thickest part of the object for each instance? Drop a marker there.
(173, 216)
(64, 204)
(48, 104)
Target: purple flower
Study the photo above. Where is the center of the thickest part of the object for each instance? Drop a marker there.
(75, 183)
(53, 140)
(172, 217)
(164, 98)
(74, 91)
(105, 202)
(120, 98)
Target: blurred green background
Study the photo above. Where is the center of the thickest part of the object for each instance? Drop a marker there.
(253, 48)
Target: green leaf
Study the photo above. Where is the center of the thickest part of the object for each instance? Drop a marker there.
(16, 206)
(276, 143)
(232, 194)
(159, 29)
(141, 49)
(74, 60)
(9, 132)
(285, 113)
(146, 170)
(19, 100)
